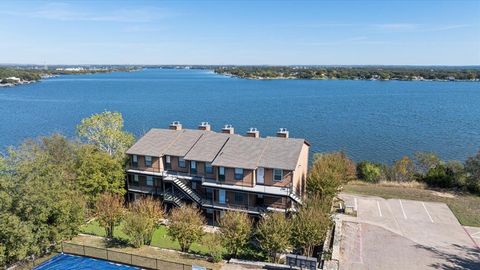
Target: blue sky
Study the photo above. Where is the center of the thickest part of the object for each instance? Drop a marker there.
(279, 32)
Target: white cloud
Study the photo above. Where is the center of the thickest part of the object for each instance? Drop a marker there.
(67, 12)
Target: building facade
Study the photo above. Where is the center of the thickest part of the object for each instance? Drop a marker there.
(219, 171)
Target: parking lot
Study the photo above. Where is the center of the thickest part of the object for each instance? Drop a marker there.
(404, 234)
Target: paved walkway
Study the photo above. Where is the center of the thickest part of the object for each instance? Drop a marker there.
(404, 234)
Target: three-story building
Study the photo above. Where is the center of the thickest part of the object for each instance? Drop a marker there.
(219, 171)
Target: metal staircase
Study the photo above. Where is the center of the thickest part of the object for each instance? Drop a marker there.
(296, 198)
(173, 198)
(184, 188)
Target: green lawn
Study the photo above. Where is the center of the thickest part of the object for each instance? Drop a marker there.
(465, 207)
(160, 238)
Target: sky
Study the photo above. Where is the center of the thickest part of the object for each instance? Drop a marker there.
(240, 32)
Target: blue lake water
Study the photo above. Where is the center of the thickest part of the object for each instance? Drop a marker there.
(373, 120)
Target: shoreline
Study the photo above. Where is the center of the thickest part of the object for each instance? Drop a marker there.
(47, 76)
(340, 79)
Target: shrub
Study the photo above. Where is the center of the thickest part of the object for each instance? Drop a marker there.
(213, 243)
(370, 172)
(328, 172)
(185, 224)
(235, 229)
(273, 234)
(142, 219)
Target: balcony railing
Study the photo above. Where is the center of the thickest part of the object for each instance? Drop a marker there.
(285, 190)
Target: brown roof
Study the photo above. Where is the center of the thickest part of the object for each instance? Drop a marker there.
(240, 152)
(281, 153)
(221, 149)
(207, 147)
(154, 142)
(184, 142)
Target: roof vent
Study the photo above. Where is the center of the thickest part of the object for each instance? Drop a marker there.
(282, 133)
(253, 132)
(204, 126)
(175, 125)
(228, 129)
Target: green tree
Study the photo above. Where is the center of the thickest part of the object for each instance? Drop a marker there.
(213, 243)
(39, 197)
(235, 229)
(310, 224)
(97, 173)
(185, 224)
(142, 219)
(328, 172)
(472, 168)
(15, 239)
(109, 210)
(424, 161)
(273, 234)
(403, 170)
(105, 131)
(370, 172)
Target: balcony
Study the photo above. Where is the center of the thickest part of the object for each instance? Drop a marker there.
(286, 190)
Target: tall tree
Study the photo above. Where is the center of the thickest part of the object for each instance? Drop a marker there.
(310, 224)
(105, 131)
(109, 210)
(328, 172)
(39, 200)
(273, 234)
(185, 224)
(235, 229)
(142, 219)
(97, 172)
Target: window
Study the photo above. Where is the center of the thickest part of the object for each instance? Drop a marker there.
(193, 167)
(135, 160)
(238, 174)
(135, 179)
(277, 175)
(209, 194)
(168, 162)
(239, 198)
(148, 161)
(181, 163)
(149, 180)
(208, 168)
(194, 185)
(221, 173)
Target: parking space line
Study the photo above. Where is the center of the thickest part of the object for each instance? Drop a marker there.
(356, 204)
(424, 207)
(379, 210)
(403, 210)
(476, 234)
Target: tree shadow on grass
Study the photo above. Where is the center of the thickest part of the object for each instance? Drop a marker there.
(460, 257)
(116, 243)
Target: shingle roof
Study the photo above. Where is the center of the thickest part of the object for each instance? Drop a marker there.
(221, 149)
(154, 142)
(184, 142)
(240, 152)
(281, 153)
(207, 147)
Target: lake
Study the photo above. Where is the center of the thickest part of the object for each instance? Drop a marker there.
(374, 120)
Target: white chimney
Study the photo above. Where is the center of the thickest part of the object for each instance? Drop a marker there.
(228, 129)
(253, 132)
(175, 125)
(204, 126)
(282, 133)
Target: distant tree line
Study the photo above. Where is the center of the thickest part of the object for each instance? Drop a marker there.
(31, 74)
(352, 73)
